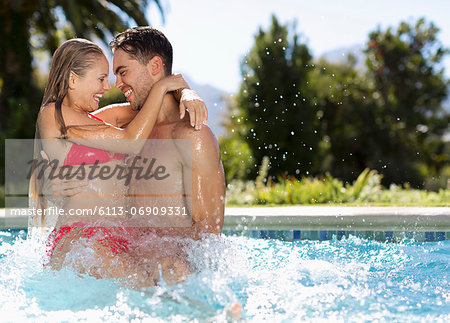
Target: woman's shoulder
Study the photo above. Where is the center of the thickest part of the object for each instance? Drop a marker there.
(46, 121)
(47, 113)
(48, 108)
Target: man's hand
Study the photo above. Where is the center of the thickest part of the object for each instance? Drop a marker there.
(195, 105)
(53, 189)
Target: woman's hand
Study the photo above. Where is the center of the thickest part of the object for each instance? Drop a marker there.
(196, 107)
(190, 101)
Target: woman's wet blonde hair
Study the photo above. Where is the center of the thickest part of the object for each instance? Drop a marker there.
(75, 55)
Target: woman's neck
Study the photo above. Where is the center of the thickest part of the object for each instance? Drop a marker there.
(68, 101)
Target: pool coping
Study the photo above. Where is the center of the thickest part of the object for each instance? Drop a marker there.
(318, 217)
(340, 218)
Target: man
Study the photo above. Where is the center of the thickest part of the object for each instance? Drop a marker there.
(142, 56)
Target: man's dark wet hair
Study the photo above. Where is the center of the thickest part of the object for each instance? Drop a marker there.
(143, 43)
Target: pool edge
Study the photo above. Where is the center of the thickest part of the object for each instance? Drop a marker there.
(315, 217)
(343, 217)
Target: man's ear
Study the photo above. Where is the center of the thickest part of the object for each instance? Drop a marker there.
(73, 78)
(155, 65)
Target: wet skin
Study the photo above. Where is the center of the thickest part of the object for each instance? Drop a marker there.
(206, 184)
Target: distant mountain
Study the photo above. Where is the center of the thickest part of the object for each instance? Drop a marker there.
(446, 102)
(216, 102)
(339, 55)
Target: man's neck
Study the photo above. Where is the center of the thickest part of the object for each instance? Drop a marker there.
(169, 111)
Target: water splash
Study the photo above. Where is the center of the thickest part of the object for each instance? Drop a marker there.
(348, 279)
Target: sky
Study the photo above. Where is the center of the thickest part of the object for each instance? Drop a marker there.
(210, 37)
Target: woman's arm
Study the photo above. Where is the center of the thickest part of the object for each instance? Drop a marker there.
(121, 114)
(118, 114)
(189, 100)
(141, 126)
(110, 137)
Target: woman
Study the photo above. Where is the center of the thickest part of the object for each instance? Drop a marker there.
(71, 135)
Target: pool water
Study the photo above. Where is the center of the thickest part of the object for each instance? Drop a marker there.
(351, 279)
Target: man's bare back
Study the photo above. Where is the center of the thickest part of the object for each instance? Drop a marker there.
(196, 183)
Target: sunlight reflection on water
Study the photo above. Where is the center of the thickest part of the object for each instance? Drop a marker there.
(348, 279)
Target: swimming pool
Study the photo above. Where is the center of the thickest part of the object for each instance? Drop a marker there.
(347, 279)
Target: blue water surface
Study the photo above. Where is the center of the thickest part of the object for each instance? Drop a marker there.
(351, 279)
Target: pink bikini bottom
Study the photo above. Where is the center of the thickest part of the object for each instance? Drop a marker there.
(111, 237)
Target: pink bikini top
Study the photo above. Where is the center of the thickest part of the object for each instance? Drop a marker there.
(79, 154)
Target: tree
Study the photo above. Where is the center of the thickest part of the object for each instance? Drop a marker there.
(275, 112)
(27, 25)
(409, 85)
(20, 20)
(391, 118)
(345, 118)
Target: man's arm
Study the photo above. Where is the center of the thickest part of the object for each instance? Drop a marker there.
(206, 182)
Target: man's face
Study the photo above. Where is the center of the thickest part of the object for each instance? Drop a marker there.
(132, 78)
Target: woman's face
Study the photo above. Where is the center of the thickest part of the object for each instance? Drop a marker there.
(88, 89)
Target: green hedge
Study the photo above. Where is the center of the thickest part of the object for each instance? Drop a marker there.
(366, 190)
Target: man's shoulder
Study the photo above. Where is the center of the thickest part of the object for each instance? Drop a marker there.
(204, 147)
(183, 130)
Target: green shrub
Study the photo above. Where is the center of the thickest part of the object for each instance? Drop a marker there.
(365, 190)
(2, 196)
